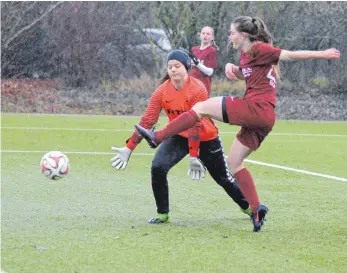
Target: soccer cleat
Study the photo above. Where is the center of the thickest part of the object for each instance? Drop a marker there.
(258, 217)
(148, 135)
(160, 219)
(247, 211)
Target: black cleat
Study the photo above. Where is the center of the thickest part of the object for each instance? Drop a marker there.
(148, 135)
(258, 217)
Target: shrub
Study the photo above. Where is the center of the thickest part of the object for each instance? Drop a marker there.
(320, 81)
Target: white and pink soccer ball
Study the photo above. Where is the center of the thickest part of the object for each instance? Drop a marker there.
(55, 165)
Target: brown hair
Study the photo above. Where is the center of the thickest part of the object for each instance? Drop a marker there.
(164, 78)
(255, 27)
(257, 31)
(213, 43)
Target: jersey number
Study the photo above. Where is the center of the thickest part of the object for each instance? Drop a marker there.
(271, 78)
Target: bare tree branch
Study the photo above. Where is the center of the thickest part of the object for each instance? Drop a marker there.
(32, 24)
(19, 19)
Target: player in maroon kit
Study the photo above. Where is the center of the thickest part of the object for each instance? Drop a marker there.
(255, 112)
(204, 58)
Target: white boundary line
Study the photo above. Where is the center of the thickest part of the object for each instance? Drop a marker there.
(65, 129)
(296, 170)
(247, 160)
(129, 130)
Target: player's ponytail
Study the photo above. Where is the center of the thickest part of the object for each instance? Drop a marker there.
(213, 43)
(257, 31)
(255, 27)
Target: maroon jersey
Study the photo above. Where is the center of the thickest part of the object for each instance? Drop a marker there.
(257, 67)
(208, 57)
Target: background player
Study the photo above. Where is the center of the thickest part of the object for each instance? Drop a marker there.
(204, 58)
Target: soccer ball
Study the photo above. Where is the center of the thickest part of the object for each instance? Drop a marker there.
(55, 165)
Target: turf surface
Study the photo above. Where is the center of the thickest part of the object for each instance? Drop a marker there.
(95, 219)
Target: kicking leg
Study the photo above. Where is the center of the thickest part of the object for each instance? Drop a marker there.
(211, 108)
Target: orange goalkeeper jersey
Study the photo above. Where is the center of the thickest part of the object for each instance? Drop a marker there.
(175, 102)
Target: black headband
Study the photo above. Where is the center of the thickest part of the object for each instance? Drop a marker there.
(180, 56)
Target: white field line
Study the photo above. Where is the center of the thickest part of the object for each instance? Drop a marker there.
(139, 117)
(150, 154)
(64, 129)
(130, 130)
(296, 170)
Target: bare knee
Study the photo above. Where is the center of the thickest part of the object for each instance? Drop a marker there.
(234, 165)
(211, 108)
(199, 109)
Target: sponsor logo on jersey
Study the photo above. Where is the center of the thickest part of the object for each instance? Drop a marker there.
(176, 112)
(247, 71)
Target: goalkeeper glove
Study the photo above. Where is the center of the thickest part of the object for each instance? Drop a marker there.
(194, 59)
(196, 169)
(120, 161)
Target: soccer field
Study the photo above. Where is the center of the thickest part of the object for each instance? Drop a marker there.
(95, 219)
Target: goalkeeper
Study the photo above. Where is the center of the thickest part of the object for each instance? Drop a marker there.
(177, 93)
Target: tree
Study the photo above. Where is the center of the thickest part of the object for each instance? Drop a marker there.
(21, 35)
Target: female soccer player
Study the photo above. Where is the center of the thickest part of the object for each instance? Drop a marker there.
(177, 94)
(204, 58)
(255, 112)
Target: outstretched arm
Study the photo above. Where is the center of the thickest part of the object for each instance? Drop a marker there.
(149, 118)
(330, 53)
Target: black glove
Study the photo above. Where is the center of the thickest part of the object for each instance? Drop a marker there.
(194, 59)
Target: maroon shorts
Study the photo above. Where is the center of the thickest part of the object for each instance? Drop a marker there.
(255, 117)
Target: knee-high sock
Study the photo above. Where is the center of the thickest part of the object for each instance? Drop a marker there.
(247, 187)
(179, 124)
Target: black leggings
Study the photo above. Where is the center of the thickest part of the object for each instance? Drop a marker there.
(173, 150)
